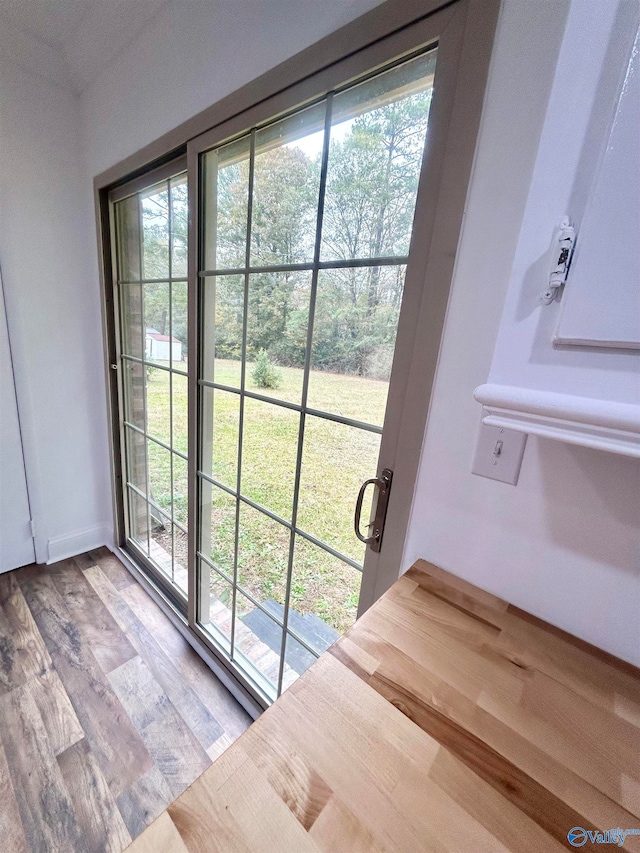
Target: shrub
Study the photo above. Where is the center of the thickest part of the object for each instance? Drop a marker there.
(265, 373)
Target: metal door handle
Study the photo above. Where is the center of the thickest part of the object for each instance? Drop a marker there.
(383, 485)
(376, 481)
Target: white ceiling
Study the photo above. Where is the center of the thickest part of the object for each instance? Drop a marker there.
(52, 21)
(71, 41)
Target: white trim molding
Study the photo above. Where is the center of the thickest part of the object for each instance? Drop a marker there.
(72, 544)
(589, 422)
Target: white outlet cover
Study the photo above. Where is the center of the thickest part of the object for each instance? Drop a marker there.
(499, 453)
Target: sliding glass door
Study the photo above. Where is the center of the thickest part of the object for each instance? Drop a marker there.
(305, 225)
(279, 295)
(150, 222)
(304, 234)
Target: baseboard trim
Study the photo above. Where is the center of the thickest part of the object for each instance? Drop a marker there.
(72, 544)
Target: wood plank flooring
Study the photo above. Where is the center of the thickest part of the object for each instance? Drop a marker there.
(106, 713)
(444, 720)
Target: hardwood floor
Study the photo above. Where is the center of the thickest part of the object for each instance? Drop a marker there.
(107, 714)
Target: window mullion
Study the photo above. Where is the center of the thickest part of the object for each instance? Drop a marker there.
(243, 371)
(305, 380)
(143, 384)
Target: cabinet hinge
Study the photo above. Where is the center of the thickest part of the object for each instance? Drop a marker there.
(564, 240)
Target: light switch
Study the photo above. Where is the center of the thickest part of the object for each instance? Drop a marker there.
(499, 453)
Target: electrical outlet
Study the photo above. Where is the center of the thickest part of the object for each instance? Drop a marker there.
(499, 453)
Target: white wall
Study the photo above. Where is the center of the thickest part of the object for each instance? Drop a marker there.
(52, 143)
(564, 543)
(192, 55)
(16, 544)
(47, 245)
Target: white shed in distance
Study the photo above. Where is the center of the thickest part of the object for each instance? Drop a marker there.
(161, 347)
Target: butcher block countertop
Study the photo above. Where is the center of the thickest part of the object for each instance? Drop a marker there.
(444, 720)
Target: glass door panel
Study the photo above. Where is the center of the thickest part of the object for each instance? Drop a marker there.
(151, 256)
(354, 338)
(305, 231)
(332, 453)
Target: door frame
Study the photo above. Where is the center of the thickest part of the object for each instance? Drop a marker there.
(463, 31)
(439, 206)
(162, 173)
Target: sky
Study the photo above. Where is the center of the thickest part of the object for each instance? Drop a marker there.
(312, 144)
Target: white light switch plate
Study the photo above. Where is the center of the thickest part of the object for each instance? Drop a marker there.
(499, 453)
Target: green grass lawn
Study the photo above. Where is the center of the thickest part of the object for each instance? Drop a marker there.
(336, 459)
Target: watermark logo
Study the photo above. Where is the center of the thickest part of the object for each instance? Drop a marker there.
(578, 836)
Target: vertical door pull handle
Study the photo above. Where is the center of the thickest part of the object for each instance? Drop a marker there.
(382, 484)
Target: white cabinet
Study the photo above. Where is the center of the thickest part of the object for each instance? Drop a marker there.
(570, 370)
(601, 303)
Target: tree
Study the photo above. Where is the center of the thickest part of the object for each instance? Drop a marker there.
(285, 198)
(284, 209)
(370, 200)
(165, 218)
(369, 203)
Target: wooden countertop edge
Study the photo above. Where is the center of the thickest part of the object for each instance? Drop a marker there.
(511, 770)
(620, 664)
